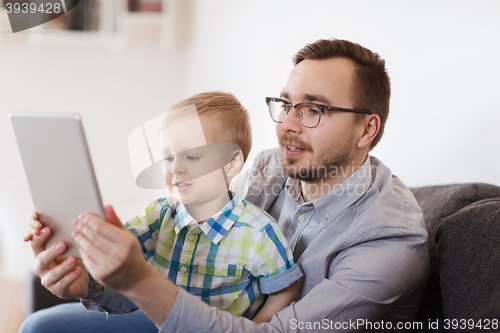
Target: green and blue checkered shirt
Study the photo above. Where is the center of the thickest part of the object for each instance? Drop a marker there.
(230, 261)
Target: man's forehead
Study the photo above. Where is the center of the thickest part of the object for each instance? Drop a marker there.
(326, 81)
(307, 97)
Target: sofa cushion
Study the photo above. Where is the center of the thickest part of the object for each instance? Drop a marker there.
(437, 203)
(468, 255)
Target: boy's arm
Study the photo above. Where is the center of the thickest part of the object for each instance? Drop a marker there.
(146, 227)
(277, 302)
(278, 275)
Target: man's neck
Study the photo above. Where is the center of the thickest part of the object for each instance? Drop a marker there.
(315, 189)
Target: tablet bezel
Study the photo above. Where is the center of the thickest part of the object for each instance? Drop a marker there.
(59, 171)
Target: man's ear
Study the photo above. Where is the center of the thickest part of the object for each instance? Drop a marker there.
(371, 128)
(235, 165)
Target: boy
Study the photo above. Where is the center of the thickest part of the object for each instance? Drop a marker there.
(211, 243)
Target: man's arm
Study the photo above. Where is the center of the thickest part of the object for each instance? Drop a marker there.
(352, 295)
(364, 283)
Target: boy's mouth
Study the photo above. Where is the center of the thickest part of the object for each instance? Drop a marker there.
(180, 186)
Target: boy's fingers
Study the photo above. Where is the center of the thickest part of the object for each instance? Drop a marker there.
(38, 242)
(34, 231)
(34, 224)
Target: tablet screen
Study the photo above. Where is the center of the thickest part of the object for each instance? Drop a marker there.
(59, 171)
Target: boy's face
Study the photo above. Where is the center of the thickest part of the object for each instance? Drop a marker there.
(187, 165)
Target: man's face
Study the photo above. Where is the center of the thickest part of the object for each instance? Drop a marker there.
(311, 154)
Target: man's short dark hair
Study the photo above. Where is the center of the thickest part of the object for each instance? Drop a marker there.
(372, 87)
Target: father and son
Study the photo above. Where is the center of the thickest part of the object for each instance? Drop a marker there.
(349, 242)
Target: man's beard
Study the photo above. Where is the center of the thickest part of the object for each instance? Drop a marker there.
(327, 163)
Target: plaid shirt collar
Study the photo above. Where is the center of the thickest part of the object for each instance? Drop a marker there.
(215, 227)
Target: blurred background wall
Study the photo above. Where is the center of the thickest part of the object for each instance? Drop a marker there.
(442, 57)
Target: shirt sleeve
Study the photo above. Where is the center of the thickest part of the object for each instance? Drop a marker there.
(111, 302)
(146, 227)
(273, 261)
(360, 288)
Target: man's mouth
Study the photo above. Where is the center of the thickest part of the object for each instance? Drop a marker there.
(291, 148)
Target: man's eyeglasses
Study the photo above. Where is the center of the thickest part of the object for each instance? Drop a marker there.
(308, 114)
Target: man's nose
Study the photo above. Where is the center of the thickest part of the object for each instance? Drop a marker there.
(291, 123)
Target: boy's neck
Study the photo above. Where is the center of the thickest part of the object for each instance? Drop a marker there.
(204, 211)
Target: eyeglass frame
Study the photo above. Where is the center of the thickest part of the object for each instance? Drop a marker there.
(321, 107)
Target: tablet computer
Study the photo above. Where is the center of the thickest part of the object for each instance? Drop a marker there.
(59, 171)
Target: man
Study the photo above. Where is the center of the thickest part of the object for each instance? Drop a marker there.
(356, 231)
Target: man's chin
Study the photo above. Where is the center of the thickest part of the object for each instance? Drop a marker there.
(306, 173)
(299, 173)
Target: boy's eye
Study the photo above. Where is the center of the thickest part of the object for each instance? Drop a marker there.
(192, 158)
(168, 158)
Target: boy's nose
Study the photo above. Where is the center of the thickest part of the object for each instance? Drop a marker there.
(177, 167)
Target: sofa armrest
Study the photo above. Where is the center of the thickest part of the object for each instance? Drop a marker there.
(468, 254)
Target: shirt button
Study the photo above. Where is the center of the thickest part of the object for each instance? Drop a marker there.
(191, 237)
(220, 269)
(301, 217)
(183, 269)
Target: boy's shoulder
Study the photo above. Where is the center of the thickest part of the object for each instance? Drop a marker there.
(161, 207)
(255, 217)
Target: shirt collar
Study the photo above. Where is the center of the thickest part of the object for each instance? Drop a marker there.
(215, 227)
(335, 201)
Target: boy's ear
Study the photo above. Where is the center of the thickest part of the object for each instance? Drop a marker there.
(235, 165)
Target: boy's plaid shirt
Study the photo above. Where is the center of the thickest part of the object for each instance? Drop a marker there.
(230, 261)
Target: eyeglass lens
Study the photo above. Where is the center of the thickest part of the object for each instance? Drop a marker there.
(308, 114)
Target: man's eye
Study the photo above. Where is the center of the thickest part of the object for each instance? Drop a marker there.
(314, 111)
(168, 158)
(192, 158)
(284, 107)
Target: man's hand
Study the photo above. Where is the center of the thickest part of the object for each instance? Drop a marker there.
(114, 257)
(110, 252)
(64, 277)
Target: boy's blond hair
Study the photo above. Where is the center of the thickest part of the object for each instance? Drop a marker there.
(232, 119)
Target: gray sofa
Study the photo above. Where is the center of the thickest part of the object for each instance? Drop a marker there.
(463, 221)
